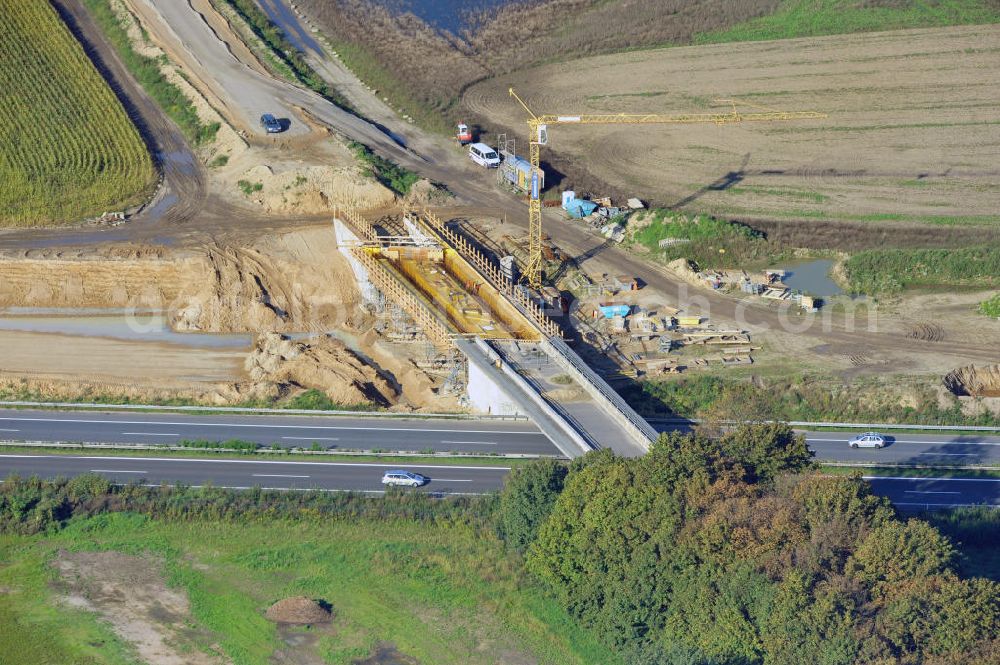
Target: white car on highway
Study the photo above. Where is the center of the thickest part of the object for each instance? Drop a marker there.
(403, 478)
(868, 440)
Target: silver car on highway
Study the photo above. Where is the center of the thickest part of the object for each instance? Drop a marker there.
(868, 440)
(402, 478)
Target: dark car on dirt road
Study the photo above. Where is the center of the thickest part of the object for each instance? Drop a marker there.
(270, 124)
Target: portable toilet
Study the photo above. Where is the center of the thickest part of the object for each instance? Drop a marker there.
(567, 196)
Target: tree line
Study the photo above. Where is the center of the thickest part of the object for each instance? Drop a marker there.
(737, 551)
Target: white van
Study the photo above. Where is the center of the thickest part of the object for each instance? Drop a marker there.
(484, 155)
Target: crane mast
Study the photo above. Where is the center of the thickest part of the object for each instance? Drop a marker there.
(538, 136)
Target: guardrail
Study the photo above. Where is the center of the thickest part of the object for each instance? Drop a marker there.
(257, 411)
(626, 414)
(866, 426)
(531, 393)
(94, 445)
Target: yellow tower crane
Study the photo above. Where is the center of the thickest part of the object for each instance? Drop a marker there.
(538, 136)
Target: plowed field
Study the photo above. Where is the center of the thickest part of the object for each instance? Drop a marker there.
(913, 133)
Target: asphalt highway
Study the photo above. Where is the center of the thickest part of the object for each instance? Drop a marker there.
(244, 474)
(480, 436)
(907, 493)
(946, 449)
(932, 493)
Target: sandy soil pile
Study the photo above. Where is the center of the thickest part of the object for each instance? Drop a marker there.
(974, 381)
(299, 610)
(313, 190)
(278, 365)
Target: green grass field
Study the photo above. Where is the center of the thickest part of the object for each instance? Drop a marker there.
(442, 593)
(812, 18)
(67, 148)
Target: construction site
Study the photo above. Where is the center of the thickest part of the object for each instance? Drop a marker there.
(469, 290)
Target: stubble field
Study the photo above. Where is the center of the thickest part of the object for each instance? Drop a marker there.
(912, 137)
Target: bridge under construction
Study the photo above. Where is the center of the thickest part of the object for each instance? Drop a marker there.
(469, 309)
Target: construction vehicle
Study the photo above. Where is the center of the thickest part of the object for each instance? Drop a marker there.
(538, 135)
(464, 134)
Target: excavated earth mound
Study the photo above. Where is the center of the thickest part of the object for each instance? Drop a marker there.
(297, 610)
(324, 364)
(974, 381)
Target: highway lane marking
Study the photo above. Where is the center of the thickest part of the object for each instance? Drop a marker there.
(146, 434)
(940, 443)
(928, 492)
(948, 505)
(310, 438)
(451, 480)
(247, 461)
(951, 454)
(477, 443)
(942, 479)
(275, 475)
(10, 430)
(115, 471)
(257, 426)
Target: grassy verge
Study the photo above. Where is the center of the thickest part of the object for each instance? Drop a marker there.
(893, 270)
(310, 400)
(806, 398)
(809, 18)
(147, 72)
(418, 459)
(708, 241)
(441, 592)
(367, 68)
(291, 60)
(390, 174)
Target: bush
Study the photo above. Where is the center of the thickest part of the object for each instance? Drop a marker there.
(991, 307)
(526, 501)
(878, 271)
(678, 557)
(708, 241)
(390, 174)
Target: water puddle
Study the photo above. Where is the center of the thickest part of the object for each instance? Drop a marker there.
(812, 278)
(127, 325)
(179, 161)
(282, 15)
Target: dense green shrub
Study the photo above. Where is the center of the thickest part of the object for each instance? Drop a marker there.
(877, 271)
(677, 557)
(390, 174)
(528, 497)
(991, 307)
(708, 241)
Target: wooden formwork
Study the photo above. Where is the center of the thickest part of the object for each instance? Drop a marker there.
(491, 271)
(387, 283)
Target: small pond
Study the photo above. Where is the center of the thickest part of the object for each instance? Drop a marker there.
(812, 278)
